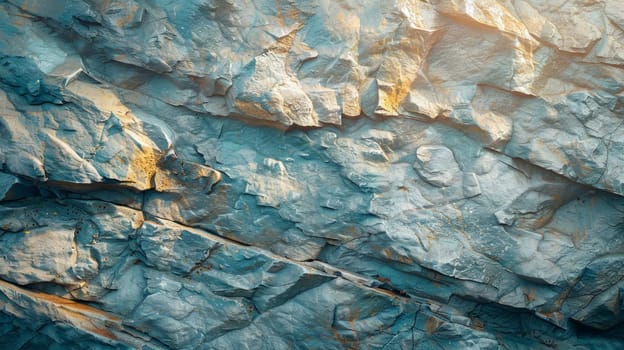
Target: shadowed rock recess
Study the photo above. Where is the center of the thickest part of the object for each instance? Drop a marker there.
(327, 174)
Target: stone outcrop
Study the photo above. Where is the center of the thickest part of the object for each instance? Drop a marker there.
(216, 174)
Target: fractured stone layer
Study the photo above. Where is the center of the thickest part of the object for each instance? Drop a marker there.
(215, 174)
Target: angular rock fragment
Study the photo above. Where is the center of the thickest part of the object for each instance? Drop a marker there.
(437, 165)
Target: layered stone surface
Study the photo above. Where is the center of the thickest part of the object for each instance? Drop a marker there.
(311, 174)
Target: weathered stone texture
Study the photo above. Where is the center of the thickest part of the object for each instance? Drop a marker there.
(257, 174)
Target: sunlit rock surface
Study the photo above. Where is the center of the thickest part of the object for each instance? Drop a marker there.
(215, 174)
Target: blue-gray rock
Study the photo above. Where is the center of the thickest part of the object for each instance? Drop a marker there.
(254, 174)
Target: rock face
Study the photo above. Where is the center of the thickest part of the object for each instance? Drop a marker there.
(252, 174)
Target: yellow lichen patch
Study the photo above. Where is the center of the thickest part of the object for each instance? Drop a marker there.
(140, 160)
(391, 97)
(143, 167)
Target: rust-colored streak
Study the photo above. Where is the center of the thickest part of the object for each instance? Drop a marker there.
(81, 316)
(477, 324)
(431, 325)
